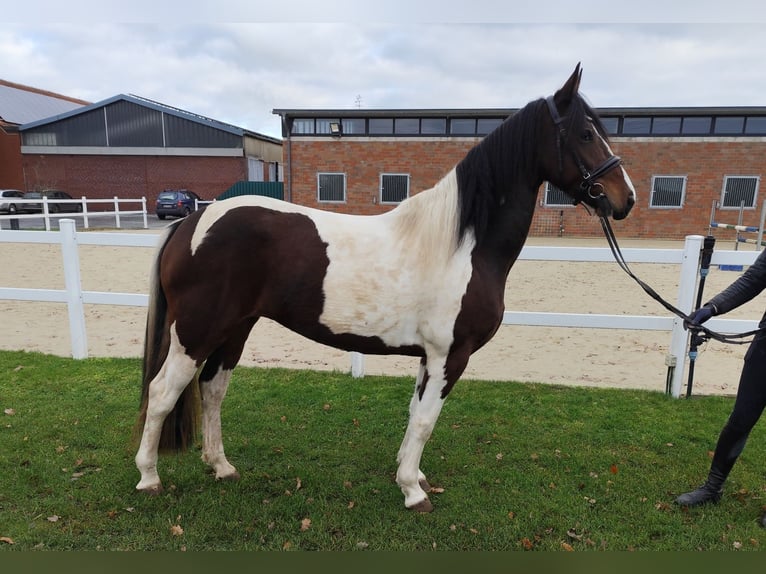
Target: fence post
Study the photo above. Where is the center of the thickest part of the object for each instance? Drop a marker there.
(116, 212)
(84, 212)
(357, 365)
(143, 208)
(71, 257)
(46, 213)
(679, 340)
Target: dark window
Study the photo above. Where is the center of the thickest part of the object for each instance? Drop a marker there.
(380, 126)
(486, 125)
(353, 126)
(407, 126)
(729, 126)
(738, 189)
(667, 191)
(555, 196)
(636, 126)
(429, 126)
(462, 126)
(394, 187)
(303, 126)
(696, 126)
(323, 125)
(755, 126)
(611, 125)
(666, 126)
(331, 187)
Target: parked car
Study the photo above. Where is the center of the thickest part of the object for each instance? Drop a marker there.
(6, 200)
(52, 195)
(176, 203)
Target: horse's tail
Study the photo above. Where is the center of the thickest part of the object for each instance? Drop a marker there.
(181, 424)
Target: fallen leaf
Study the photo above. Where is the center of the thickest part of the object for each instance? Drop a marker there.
(176, 530)
(351, 505)
(527, 543)
(499, 456)
(362, 545)
(326, 406)
(437, 490)
(298, 483)
(9, 412)
(613, 469)
(54, 518)
(567, 547)
(6, 540)
(305, 524)
(511, 515)
(17, 369)
(737, 545)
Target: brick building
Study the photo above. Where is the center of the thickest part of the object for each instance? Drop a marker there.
(131, 147)
(681, 160)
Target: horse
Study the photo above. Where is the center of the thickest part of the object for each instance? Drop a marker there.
(436, 292)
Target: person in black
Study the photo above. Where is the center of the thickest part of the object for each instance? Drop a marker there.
(751, 394)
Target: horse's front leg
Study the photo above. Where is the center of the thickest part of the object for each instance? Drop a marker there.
(425, 406)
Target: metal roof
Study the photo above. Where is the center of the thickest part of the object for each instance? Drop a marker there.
(19, 105)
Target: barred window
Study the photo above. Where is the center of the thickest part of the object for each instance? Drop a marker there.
(331, 187)
(738, 189)
(555, 196)
(394, 187)
(668, 191)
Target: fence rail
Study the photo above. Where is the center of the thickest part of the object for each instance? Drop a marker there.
(687, 258)
(50, 209)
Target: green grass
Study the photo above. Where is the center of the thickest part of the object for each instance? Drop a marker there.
(522, 466)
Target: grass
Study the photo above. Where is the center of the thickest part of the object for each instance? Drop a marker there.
(522, 467)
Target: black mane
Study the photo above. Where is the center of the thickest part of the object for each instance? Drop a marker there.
(507, 161)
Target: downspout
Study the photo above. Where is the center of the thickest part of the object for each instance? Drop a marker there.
(289, 174)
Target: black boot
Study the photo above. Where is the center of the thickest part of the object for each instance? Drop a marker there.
(711, 491)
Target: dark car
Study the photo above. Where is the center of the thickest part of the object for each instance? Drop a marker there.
(53, 207)
(7, 205)
(176, 203)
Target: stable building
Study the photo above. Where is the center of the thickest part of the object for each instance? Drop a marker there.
(131, 147)
(684, 163)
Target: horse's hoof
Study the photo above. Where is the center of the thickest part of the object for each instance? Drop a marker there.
(233, 477)
(423, 507)
(424, 485)
(151, 490)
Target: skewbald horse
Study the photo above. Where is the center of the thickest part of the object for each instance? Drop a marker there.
(436, 292)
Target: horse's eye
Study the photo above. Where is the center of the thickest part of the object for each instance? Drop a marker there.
(587, 136)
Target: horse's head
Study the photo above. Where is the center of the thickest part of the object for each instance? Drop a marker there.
(583, 164)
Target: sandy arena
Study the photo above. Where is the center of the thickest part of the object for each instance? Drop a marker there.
(585, 357)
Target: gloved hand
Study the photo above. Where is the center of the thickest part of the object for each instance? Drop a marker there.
(699, 316)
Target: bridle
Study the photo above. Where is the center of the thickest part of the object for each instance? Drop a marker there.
(589, 178)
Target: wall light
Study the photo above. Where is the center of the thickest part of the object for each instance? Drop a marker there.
(335, 129)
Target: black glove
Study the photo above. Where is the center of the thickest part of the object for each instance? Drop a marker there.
(699, 316)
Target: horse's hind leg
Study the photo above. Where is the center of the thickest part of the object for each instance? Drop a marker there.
(176, 373)
(214, 381)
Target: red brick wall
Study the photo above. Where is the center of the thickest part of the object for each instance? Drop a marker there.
(10, 164)
(104, 177)
(703, 162)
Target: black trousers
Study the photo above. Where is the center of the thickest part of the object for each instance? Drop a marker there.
(748, 407)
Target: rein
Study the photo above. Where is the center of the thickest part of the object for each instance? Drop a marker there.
(702, 332)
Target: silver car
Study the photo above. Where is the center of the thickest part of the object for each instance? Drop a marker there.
(7, 204)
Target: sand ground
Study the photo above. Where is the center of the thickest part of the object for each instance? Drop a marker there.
(585, 357)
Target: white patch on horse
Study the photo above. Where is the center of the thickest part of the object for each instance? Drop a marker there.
(625, 175)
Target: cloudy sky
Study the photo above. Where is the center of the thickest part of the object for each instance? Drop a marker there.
(237, 60)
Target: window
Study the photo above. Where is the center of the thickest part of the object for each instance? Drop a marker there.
(331, 187)
(636, 126)
(303, 126)
(556, 197)
(394, 187)
(611, 125)
(430, 126)
(407, 126)
(381, 126)
(668, 191)
(666, 126)
(738, 189)
(696, 126)
(353, 126)
(486, 125)
(729, 126)
(755, 126)
(323, 125)
(462, 126)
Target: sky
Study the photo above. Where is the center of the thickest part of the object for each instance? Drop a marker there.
(237, 60)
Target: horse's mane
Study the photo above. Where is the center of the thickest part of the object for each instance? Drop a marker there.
(506, 160)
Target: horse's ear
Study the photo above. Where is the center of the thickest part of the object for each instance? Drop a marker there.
(569, 90)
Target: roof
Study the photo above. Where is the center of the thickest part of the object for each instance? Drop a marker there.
(21, 104)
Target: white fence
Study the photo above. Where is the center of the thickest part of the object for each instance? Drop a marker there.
(687, 258)
(51, 209)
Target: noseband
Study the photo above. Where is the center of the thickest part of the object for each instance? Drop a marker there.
(589, 178)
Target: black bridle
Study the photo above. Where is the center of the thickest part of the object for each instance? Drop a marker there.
(589, 178)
